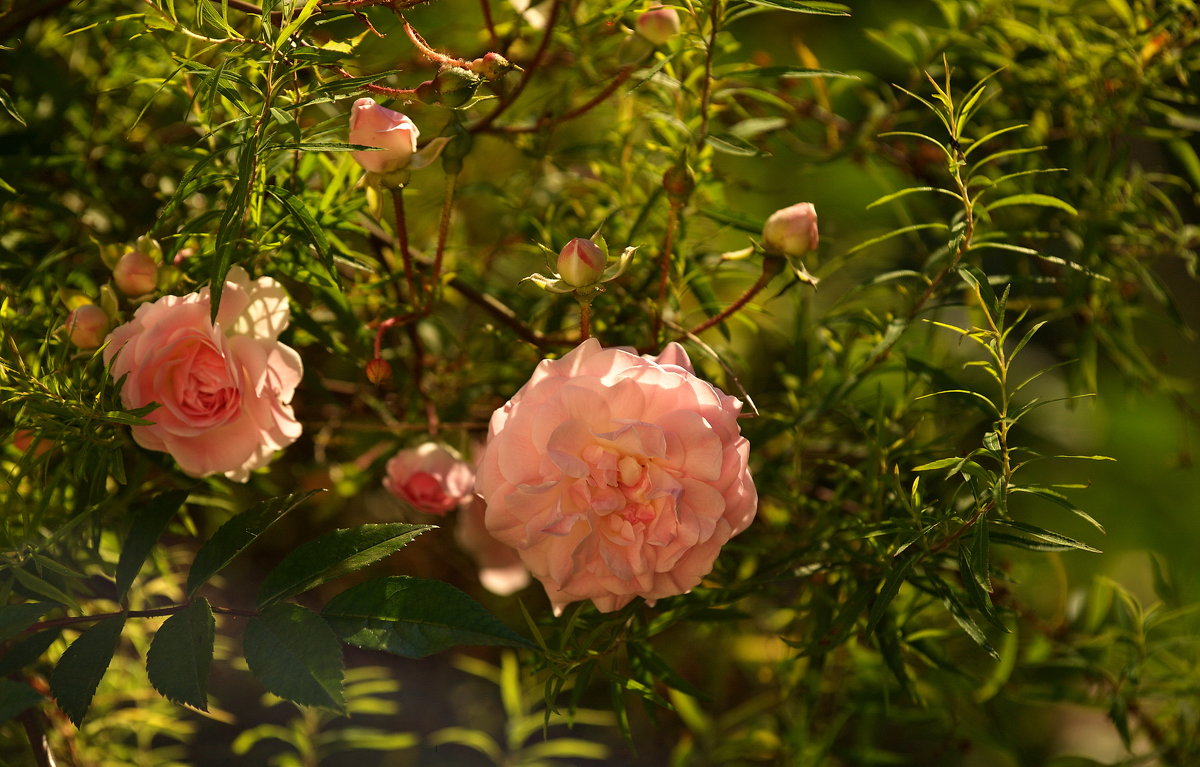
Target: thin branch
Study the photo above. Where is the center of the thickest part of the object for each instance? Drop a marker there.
(547, 121)
(737, 305)
(157, 612)
(504, 314)
(490, 23)
(435, 286)
(538, 57)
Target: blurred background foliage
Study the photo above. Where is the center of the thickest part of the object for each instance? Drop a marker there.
(865, 617)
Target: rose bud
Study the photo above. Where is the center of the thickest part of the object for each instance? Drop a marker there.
(136, 274)
(87, 326)
(658, 25)
(491, 66)
(378, 371)
(791, 231)
(581, 262)
(430, 478)
(392, 132)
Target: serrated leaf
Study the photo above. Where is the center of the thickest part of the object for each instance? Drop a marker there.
(333, 555)
(148, 524)
(181, 654)
(81, 667)
(295, 655)
(16, 618)
(235, 535)
(1043, 200)
(27, 651)
(414, 617)
(16, 697)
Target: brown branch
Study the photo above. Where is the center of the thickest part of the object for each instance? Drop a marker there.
(504, 314)
(426, 51)
(767, 273)
(547, 121)
(665, 266)
(490, 23)
(538, 57)
(435, 284)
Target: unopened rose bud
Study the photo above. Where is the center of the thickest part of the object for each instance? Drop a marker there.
(678, 182)
(378, 371)
(580, 262)
(455, 86)
(791, 231)
(658, 25)
(427, 92)
(392, 132)
(491, 66)
(136, 274)
(87, 326)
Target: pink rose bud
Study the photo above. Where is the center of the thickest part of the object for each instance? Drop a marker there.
(658, 25)
(791, 231)
(87, 326)
(581, 262)
(392, 132)
(430, 478)
(616, 476)
(378, 371)
(136, 274)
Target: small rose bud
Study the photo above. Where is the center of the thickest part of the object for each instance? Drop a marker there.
(491, 66)
(427, 92)
(581, 262)
(455, 86)
(658, 25)
(136, 274)
(791, 231)
(378, 371)
(392, 132)
(678, 182)
(87, 326)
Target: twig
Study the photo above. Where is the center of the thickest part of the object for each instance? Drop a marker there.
(490, 24)
(502, 313)
(418, 374)
(423, 47)
(402, 245)
(507, 101)
(547, 121)
(157, 612)
(737, 305)
(665, 265)
(435, 286)
(706, 91)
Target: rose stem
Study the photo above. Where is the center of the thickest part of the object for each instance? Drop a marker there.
(443, 230)
(585, 319)
(538, 56)
(737, 305)
(418, 374)
(402, 242)
(490, 23)
(665, 266)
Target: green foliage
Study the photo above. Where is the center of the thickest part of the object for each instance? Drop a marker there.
(181, 654)
(296, 656)
(82, 666)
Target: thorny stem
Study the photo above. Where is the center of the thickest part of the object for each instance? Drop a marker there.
(435, 286)
(585, 318)
(157, 612)
(402, 245)
(665, 265)
(423, 47)
(538, 57)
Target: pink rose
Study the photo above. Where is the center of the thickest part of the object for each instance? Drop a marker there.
(223, 390)
(429, 477)
(500, 568)
(617, 476)
(392, 132)
(659, 24)
(791, 231)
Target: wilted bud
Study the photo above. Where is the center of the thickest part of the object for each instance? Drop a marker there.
(658, 25)
(87, 326)
(378, 371)
(393, 133)
(791, 231)
(678, 182)
(581, 262)
(136, 274)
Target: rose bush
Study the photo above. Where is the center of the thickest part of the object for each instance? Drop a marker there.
(224, 390)
(429, 477)
(616, 476)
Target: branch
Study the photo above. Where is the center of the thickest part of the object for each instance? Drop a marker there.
(538, 57)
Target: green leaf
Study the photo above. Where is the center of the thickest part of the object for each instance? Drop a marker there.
(959, 612)
(80, 669)
(333, 555)
(148, 524)
(911, 190)
(1038, 540)
(43, 588)
(730, 144)
(27, 651)
(16, 618)
(181, 655)
(304, 217)
(1044, 200)
(1059, 499)
(797, 6)
(893, 233)
(238, 533)
(16, 697)
(296, 656)
(787, 72)
(414, 617)
(891, 587)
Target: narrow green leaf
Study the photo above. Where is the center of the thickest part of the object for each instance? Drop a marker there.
(16, 618)
(1044, 200)
(974, 276)
(730, 144)
(414, 617)
(16, 697)
(296, 656)
(333, 555)
(912, 190)
(958, 611)
(894, 233)
(238, 533)
(891, 587)
(148, 524)
(941, 463)
(787, 72)
(980, 142)
(81, 667)
(1046, 536)
(181, 655)
(1055, 497)
(43, 588)
(1025, 339)
(990, 406)
(316, 233)
(27, 651)
(802, 6)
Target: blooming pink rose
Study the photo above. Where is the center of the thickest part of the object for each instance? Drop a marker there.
(429, 477)
(791, 231)
(394, 133)
(500, 568)
(616, 475)
(223, 390)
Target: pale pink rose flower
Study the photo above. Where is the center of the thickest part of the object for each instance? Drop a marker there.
(617, 476)
(223, 390)
(394, 133)
(500, 568)
(430, 477)
(792, 231)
